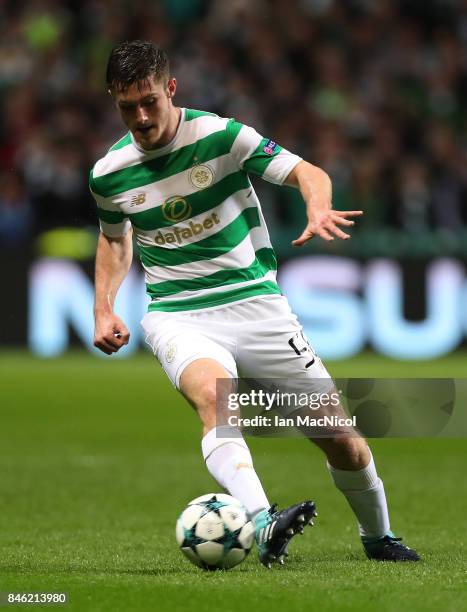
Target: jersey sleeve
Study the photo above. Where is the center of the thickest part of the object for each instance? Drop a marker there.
(258, 155)
(112, 221)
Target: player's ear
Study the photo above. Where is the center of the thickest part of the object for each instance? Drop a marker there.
(172, 87)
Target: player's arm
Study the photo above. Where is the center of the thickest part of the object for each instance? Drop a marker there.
(113, 260)
(316, 189)
(265, 158)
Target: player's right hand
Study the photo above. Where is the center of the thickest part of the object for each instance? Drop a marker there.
(110, 334)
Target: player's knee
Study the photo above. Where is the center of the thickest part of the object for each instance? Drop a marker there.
(348, 452)
(204, 399)
(208, 398)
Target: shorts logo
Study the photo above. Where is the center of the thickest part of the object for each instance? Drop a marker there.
(270, 147)
(170, 352)
(138, 198)
(201, 176)
(176, 209)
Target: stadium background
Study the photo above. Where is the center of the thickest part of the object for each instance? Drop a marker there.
(372, 91)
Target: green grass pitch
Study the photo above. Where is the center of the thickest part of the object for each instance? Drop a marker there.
(98, 457)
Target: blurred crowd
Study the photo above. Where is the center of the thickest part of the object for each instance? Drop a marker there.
(372, 91)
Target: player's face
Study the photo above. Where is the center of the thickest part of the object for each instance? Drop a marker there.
(146, 109)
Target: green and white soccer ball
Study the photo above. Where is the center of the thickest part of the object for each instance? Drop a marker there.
(215, 532)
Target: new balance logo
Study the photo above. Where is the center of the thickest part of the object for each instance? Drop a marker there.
(138, 198)
(265, 533)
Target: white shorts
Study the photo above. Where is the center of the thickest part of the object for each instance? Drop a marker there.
(257, 338)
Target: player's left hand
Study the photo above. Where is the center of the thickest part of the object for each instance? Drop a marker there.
(324, 223)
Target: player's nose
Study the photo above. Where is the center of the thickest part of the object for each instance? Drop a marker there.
(142, 116)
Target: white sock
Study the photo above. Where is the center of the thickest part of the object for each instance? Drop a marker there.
(229, 461)
(364, 491)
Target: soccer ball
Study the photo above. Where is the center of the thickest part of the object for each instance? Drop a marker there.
(215, 532)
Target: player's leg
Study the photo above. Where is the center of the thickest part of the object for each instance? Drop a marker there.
(352, 468)
(194, 358)
(228, 459)
(195, 350)
(276, 348)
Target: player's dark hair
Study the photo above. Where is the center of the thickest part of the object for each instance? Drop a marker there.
(135, 61)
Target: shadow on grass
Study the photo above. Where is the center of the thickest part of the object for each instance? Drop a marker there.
(295, 563)
(26, 569)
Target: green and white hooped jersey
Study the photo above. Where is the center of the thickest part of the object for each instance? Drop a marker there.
(202, 238)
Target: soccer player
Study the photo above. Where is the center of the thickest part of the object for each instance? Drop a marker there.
(179, 180)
